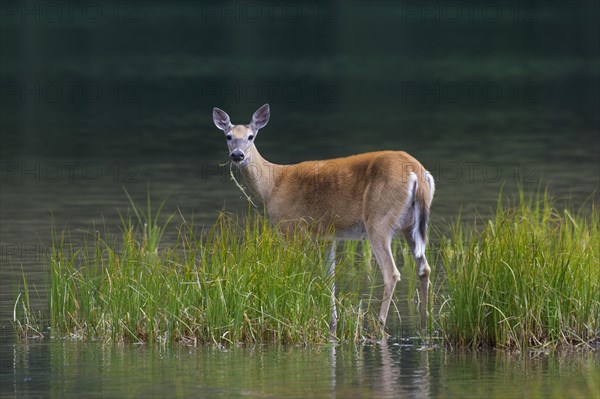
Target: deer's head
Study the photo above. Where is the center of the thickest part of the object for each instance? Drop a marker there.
(240, 138)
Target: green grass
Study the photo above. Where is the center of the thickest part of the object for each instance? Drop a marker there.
(530, 276)
(527, 277)
(239, 282)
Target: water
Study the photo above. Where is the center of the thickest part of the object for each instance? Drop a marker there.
(92, 106)
(397, 369)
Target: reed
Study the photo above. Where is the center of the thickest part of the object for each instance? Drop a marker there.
(240, 281)
(529, 276)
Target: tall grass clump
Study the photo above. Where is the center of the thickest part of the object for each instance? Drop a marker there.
(240, 281)
(530, 276)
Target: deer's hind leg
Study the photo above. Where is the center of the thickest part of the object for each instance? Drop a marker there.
(381, 244)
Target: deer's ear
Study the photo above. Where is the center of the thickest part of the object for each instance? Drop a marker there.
(221, 119)
(260, 118)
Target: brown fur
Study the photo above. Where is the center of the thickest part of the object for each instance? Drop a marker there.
(340, 192)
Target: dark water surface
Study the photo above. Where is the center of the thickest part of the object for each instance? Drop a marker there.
(487, 95)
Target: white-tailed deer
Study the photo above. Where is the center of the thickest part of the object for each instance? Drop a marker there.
(366, 196)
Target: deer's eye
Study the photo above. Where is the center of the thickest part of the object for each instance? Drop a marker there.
(229, 137)
(251, 137)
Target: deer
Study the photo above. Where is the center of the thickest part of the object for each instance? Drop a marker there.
(369, 196)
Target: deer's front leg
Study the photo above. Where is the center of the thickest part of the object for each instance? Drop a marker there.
(331, 274)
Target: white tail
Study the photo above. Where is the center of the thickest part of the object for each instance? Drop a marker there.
(366, 196)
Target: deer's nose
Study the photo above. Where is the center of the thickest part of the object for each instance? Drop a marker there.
(237, 155)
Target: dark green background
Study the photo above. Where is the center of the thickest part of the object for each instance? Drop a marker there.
(137, 80)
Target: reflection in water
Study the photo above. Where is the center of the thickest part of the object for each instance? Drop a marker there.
(403, 370)
(387, 370)
(332, 356)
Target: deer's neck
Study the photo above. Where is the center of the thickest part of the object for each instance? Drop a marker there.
(260, 175)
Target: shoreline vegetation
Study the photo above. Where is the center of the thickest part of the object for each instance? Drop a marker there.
(528, 277)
